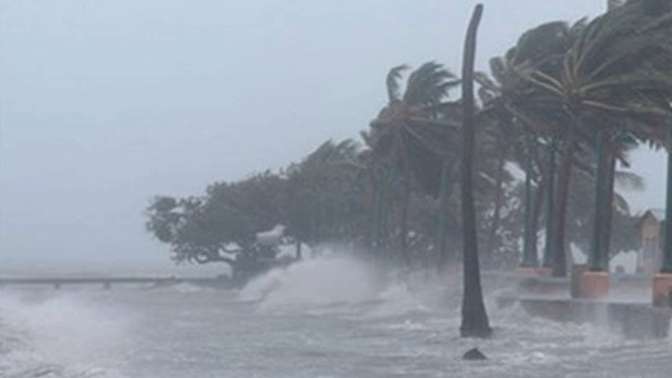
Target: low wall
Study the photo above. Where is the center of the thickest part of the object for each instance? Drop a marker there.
(633, 320)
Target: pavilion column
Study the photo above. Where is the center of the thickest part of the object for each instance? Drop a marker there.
(662, 282)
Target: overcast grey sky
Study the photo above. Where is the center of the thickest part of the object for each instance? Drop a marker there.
(105, 103)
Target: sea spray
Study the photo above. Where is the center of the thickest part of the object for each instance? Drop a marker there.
(317, 281)
(336, 284)
(59, 335)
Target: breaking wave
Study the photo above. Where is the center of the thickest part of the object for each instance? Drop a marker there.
(57, 336)
(331, 285)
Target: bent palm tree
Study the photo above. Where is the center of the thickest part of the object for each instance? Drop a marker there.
(407, 134)
(615, 76)
(475, 321)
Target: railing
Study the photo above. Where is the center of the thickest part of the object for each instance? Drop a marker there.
(106, 282)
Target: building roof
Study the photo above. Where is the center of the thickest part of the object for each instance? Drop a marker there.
(657, 214)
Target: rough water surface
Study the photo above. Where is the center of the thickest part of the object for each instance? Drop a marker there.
(324, 317)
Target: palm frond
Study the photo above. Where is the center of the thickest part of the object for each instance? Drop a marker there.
(393, 80)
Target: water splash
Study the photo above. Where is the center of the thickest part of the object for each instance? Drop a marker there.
(319, 281)
(58, 336)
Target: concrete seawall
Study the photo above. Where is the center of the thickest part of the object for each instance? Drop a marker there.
(628, 309)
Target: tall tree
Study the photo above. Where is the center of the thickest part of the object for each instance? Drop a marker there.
(407, 136)
(475, 321)
(615, 75)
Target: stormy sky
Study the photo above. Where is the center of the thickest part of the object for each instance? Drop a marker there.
(105, 103)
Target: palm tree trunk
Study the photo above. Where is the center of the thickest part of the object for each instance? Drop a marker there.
(475, 321)
(382, 208)
(609, 209)
(373, 204)
(499, 201)
(536, 217)
(441, 235)
(561, 202)
(597, 250)
(529, 255)
(403, 235)
(550, 213)
(667, 246)
(442, 232)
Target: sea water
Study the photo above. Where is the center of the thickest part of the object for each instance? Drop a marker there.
(323, 317)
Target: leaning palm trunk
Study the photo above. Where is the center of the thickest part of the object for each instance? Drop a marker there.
(609, 209)
(550, 206)
(561, 202)
(537, 205)
(444, 197)
(597, 256)
(499, 202)
(475, 321)
(403, 233)
(529, 250)
(373, 208)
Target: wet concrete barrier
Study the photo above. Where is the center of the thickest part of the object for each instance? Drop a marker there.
(633, 320)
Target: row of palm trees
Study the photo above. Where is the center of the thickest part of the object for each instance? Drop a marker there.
(565, 98)
(565, 104)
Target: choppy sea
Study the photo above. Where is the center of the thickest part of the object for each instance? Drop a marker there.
(323, 317)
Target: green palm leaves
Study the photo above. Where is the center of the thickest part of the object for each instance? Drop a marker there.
(409, 131)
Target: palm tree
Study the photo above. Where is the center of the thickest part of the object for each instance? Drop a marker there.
(407, 135)
(510, 99)
(475, 321)
(613, 77)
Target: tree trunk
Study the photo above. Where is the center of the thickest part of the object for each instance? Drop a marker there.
(550, 213)
(403, 233)
(499, 202)
(667, 225)
(442, 234)
(609, 210)
(382, 208)
(599, 218)
(529, 252)
(373, 208)
(475, 321)
(536, 217)
(561, 202)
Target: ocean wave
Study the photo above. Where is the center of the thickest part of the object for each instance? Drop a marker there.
(55, 336)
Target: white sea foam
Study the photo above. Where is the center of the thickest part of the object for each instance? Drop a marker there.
(187, 288)
(333, 285)
(58, 336)
(317, 281)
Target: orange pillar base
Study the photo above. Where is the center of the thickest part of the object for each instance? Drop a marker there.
(662, 290)
(593, 285)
